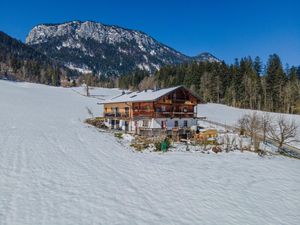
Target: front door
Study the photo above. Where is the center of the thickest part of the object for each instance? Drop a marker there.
(163, 124)
(176, 123)
(113, 124)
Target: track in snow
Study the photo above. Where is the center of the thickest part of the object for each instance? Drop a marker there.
(54, 169)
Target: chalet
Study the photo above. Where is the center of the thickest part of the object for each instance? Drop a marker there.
(162, 109)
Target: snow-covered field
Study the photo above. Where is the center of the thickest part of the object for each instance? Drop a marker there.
(229, 115)
(54, 169)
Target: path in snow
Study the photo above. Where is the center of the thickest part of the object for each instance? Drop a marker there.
(56, 170)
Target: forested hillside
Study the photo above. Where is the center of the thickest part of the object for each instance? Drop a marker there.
(245, 84)
(21, 62)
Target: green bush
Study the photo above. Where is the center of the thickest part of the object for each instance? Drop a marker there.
(119, 135)
(158, 144)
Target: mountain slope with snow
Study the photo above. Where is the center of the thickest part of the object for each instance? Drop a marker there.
(54, 169)
(102, 49)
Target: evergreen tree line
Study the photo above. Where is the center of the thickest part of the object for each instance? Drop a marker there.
(247, 83)
(132, 80)
(30, 70)
(21, 62)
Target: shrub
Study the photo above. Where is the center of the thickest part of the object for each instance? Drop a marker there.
(139, 146)
(119, 135)
(157, 144)
(97, 122)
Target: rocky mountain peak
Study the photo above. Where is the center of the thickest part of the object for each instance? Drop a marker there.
(93, 47)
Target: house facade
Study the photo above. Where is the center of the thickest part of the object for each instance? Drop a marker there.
(166, 109)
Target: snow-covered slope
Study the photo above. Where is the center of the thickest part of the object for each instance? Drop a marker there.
(229, 115)
(56, 170)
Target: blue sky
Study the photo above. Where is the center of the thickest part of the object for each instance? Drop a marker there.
(227, 29)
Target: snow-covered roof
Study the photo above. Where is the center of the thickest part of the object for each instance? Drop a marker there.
(141, 96)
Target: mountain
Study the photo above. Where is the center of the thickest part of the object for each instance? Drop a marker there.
(101, 49)
(206, 57)
(22, 62)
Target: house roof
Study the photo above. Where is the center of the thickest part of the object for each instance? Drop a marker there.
(141, 96)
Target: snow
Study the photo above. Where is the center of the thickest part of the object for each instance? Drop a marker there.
(122, 50)
(144, 66)
(54, 169)
(146, 95)
(100, 93)
(156, 66)
(152, 52)
(82, 69)
(229, 115)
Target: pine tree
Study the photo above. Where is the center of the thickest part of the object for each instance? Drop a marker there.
(275, 81)
(257, 65)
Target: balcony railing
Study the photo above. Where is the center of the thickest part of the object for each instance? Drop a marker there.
(118, 115)
(188, 114)
(151, 113)
(176, 114)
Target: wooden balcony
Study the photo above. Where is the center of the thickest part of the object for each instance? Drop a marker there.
(152, 114)
(143, 113)
(174, 114)
(117, 115)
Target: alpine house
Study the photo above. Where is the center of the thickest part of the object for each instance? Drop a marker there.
(149, 110)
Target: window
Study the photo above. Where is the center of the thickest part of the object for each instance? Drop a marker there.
(185, 123)
(176, 123)
(115, 110)
(145, 123)
(127, 111)
(163, 108)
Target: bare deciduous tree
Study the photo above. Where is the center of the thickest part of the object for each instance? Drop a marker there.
(250, 124)
(86, 89)
(242, 125)
(283, 131)
(147, 83)
(265, 124)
